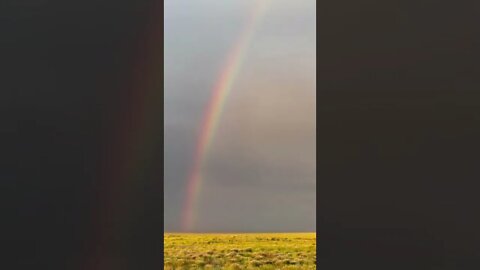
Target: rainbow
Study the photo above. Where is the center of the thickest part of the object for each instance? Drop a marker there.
(212, 115)
(132, 136)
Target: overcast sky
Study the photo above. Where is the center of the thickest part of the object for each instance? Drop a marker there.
(260, 171)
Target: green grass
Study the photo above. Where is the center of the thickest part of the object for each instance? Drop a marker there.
(265, 251)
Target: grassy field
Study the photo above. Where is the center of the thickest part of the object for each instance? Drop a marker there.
(265, 251)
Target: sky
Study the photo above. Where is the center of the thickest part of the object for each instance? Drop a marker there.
(397, 113)
(259, 173)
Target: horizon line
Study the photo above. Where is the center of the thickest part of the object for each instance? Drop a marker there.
(237, 232)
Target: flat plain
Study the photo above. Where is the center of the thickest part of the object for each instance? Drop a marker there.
(264, 251)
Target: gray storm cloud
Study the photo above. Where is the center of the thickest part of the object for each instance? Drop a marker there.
(259, 174)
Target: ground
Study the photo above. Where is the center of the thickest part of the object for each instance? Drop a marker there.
(264, 251)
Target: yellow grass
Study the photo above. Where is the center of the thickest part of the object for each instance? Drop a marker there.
(265, 251)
